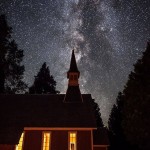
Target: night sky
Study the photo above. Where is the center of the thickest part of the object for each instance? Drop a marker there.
(108, 37)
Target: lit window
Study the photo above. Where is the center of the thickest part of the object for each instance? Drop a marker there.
(19, 146)
(72, 140)
(46, 141)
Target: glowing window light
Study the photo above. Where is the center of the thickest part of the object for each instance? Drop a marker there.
(72, 137)
(46, 141)
(19, 146)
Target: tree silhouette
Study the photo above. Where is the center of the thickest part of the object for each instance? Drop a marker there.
(5, 35)
(98, 115)
(11, 70)
(116, 135)
(15, 72)
(44, 83)
(136, 114)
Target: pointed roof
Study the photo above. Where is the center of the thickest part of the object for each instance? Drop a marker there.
(73, 64)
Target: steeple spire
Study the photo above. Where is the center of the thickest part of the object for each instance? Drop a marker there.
(73, 93)
(73, 73)
(73, 64)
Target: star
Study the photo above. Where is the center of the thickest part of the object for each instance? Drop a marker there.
(108, 37)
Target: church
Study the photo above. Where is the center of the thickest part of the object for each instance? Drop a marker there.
(51, 121)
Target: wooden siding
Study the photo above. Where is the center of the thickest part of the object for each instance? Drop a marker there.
(84, 140)
(32, 140)
(59, 140)
(7, 147)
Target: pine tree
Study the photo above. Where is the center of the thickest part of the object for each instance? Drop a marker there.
(11, 70)
(136, 119)
(5, 35)
(115, 118)
(98, 115)
(14, 83)
(116, 135)
(44, 83)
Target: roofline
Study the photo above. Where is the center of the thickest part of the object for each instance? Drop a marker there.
(59, 128)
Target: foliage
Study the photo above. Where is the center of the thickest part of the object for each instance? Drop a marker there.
(115, 118)
(5, 35)
(116, 135)
(44, 83)
(98, 115)
(11, 70)
(136, 119)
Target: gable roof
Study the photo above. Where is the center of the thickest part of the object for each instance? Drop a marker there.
(19, 111)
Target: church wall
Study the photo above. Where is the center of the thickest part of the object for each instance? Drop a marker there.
(59, 140)
(84, 140)
(32, 140)
(7, 147)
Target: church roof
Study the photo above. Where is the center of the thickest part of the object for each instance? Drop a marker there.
(73, 64)
(19, 111)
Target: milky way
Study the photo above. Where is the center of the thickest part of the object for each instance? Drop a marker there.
(108, 37)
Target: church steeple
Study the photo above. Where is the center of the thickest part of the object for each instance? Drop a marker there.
(73, 93)
(73, 73)
(73, 64)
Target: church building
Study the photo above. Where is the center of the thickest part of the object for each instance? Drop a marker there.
(51, 121)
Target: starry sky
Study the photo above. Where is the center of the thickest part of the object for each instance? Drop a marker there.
(108, 37)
